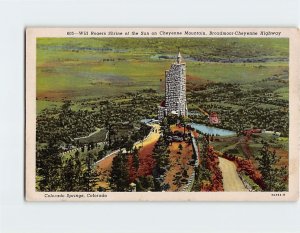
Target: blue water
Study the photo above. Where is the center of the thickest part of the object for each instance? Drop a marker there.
(212, 130)
(204, 129)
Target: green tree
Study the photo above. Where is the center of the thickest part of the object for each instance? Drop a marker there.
(90, 175)
(119, 178)
(68, 175)
(48, 165)
(78, 170)
(101, 154)
(180, 148)
(273, 177)
(66, 107)
(183, 121)
(108, 126)
(149, 183)
(129, 144)
(202, 173)
(204, 151)
(136, 161)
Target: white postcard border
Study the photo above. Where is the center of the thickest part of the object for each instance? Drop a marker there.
(294, 100)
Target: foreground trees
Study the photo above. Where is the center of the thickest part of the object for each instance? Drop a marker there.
(55, 173)
(202, 173)
(119, 177)
(274, 178)
(49, 164)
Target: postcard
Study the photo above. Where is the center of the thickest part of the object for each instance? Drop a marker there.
(162, 114)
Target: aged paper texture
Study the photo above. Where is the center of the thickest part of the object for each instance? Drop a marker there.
(162, 114)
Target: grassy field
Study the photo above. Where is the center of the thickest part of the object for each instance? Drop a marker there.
(89, 68)
(208, 47)
(233, 145)
(236, 72)
(97, 136)
(43, 104)
(283, 92)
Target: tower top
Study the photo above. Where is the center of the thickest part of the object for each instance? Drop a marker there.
(178, 58)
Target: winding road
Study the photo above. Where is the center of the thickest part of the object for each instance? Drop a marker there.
(104, 164)
(153, 136)
(231, 179)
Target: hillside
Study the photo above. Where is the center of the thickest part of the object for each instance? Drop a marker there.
(76, 68)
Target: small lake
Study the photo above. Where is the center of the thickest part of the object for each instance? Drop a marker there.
(203, 128)
(212, 130)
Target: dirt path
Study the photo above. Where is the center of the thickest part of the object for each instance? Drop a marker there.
(153, 136)
(231, 180)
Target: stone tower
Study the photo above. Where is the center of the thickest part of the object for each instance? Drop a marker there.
(175, 93)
